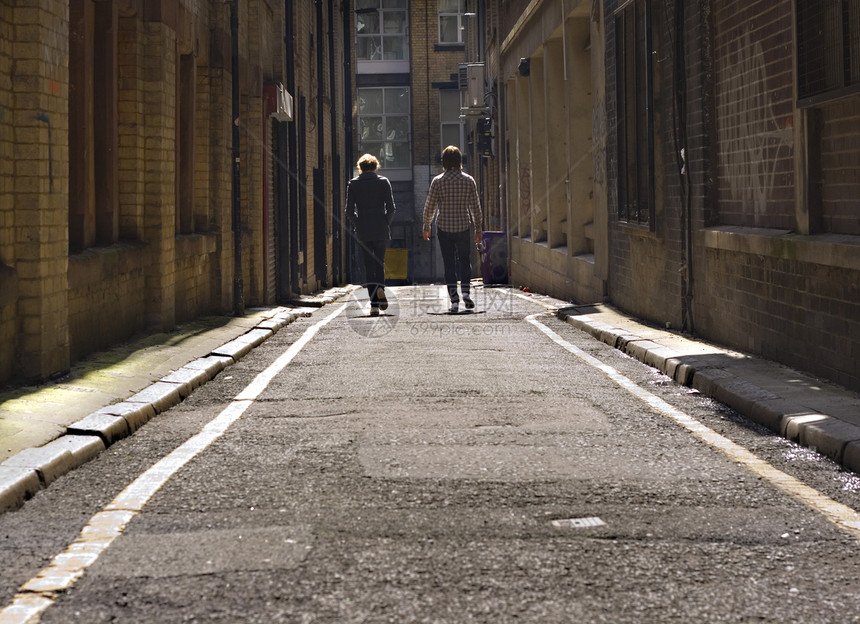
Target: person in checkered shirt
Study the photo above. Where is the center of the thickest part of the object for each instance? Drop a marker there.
(453, 201)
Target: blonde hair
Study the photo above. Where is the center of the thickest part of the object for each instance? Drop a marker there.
(368, 162)
(452, 158)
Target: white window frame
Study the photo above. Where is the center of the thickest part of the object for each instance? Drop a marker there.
(460, 26)
(382, 65)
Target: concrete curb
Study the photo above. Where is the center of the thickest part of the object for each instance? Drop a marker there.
(835, 438)
(27, 472)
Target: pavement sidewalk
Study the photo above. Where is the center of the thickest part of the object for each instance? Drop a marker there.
(48, 430)
(798, 406)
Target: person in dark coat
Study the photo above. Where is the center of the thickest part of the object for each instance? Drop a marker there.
(370, 209)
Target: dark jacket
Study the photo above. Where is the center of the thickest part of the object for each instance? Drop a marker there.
(370, 206)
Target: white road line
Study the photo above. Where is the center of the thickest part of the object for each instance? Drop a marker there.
(841, 515)
(40, 592)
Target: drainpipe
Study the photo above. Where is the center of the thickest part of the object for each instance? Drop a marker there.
(679, 70)
(336, 179)
(347, 116)
(293, 207)
(238, 284)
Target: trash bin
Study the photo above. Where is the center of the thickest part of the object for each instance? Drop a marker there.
(396, 264)
(494, 258)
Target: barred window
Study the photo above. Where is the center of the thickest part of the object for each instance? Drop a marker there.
(635, 114)
(828, 54)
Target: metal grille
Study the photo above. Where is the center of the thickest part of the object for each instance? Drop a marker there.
(828, 35)
(635, 119)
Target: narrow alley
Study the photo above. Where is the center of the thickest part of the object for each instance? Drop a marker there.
(497, 466)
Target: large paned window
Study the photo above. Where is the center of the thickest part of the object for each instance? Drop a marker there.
(451, 21)
(384, 124)
(451, 124)
(635, 114)
(828, 54)
(381, 30)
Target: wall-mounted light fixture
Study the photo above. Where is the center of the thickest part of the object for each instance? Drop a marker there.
(524, 67)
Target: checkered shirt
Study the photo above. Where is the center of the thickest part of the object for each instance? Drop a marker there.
(453, 197)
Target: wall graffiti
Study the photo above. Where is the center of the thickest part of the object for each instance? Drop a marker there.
(752, 139)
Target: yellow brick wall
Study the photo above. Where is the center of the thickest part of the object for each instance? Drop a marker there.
(307, 87)
(252, 196)
(40, 189)
(63, 307)
(429, 65)
(132, 127)
(8, 275)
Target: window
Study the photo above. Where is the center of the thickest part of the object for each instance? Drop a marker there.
(93, 126)
(384, 124)
(452, 126)
(185, 144)
(828, 54)
(635, 114)
(451, 21)
(380, 27)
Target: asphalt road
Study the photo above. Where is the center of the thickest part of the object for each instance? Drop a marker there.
(421, 467)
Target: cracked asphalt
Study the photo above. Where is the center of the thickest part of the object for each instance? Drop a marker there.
(421, 467)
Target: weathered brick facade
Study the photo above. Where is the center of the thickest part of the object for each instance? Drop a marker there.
(116, 175)
(752, 237)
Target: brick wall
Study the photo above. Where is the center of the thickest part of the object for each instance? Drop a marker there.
(840, 167)
(106, 294)
(40, 187)
(790, 298)
(754, 73)
(8, 275)
(806, 315)
(647, 265)
(432, 67)
(306, 80)
(55, 307)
